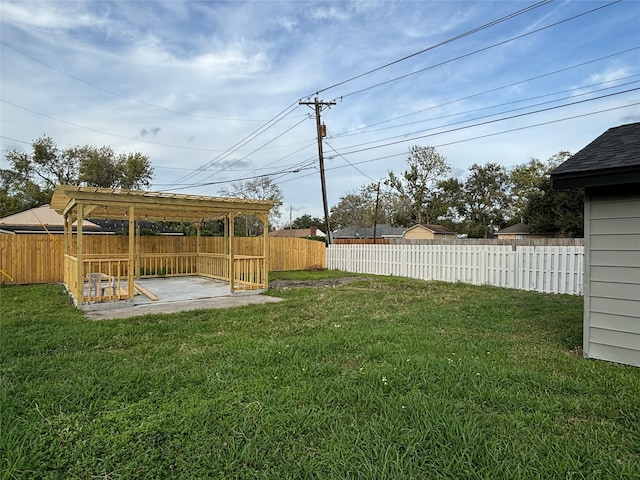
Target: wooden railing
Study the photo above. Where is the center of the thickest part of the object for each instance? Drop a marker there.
(249, 273)
(214, 265)
(71, 275)
(103, 278)
(167, 264)
(107, 277)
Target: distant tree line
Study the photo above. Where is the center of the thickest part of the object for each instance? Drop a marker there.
(489, 197)
(485, 199)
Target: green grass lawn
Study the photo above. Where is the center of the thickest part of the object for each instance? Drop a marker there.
(380, 378)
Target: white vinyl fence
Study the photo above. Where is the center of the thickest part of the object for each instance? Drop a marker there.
(550, 269)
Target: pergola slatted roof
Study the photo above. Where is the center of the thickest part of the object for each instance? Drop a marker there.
(115, 203)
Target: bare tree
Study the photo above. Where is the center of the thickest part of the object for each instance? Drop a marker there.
(261, 188)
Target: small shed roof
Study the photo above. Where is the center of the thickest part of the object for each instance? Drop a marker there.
(115, 203)
(611, 159)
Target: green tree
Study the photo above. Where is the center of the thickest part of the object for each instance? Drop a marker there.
(354, 209)
(415, 186)
(18, 194)
(481, 201)
(33, 176)
(556, 211)
(307, 221)
(527, 180)
(97, 167)
(134, 169)
(450, 201)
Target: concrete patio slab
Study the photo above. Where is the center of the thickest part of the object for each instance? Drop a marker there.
(177, 294)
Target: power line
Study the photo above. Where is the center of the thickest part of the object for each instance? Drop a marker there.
(102, 132)
(254, 134)
(15, 140)
(440, 44)
(463, 56)
(259, 148)
(470, 139)
(489, 115)
(476, 51)
(466, 112)
(510, 85)
(511, 130)
(111, 92)
(491, 121)
(219, 182)
(348, 162)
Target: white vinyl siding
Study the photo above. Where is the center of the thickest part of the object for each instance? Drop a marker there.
(612, 278)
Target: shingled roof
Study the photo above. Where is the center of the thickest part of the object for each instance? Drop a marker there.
(611, 159)
(518, 228)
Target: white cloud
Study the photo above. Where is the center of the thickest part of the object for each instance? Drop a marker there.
(333, 12)
(48, 15)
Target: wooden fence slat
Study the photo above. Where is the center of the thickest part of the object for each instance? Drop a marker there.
(38, 258)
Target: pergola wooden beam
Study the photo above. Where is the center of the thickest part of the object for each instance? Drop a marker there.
(113, 203)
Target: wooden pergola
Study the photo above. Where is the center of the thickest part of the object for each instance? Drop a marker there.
(117, 273)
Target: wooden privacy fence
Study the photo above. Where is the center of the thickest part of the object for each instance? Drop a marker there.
(37, 258)
(551, 269)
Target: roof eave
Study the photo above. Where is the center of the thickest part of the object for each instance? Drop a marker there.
(595, 178)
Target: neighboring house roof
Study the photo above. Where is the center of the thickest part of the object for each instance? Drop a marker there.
(611, 159)
(297, 233)
(38, 220)
(518, 228)
(382, 230)
(438, 229)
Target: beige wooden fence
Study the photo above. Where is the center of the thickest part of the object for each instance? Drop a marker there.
(36, 258)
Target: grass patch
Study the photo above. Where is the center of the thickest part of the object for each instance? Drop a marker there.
(375, 378)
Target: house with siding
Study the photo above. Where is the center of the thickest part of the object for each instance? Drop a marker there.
(425, 231)
(609, 170)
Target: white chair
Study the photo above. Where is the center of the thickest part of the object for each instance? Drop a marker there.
(98, 288)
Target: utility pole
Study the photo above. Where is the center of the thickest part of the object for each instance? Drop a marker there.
(375, 215)
(318, 106)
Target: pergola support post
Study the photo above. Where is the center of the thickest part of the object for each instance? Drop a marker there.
(138, 246)
(68, 234)
(198, 228)
(132, 251)
(80, 265)
(232, 270)
(265, 250)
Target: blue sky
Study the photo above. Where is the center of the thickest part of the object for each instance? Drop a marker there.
(210, 91)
